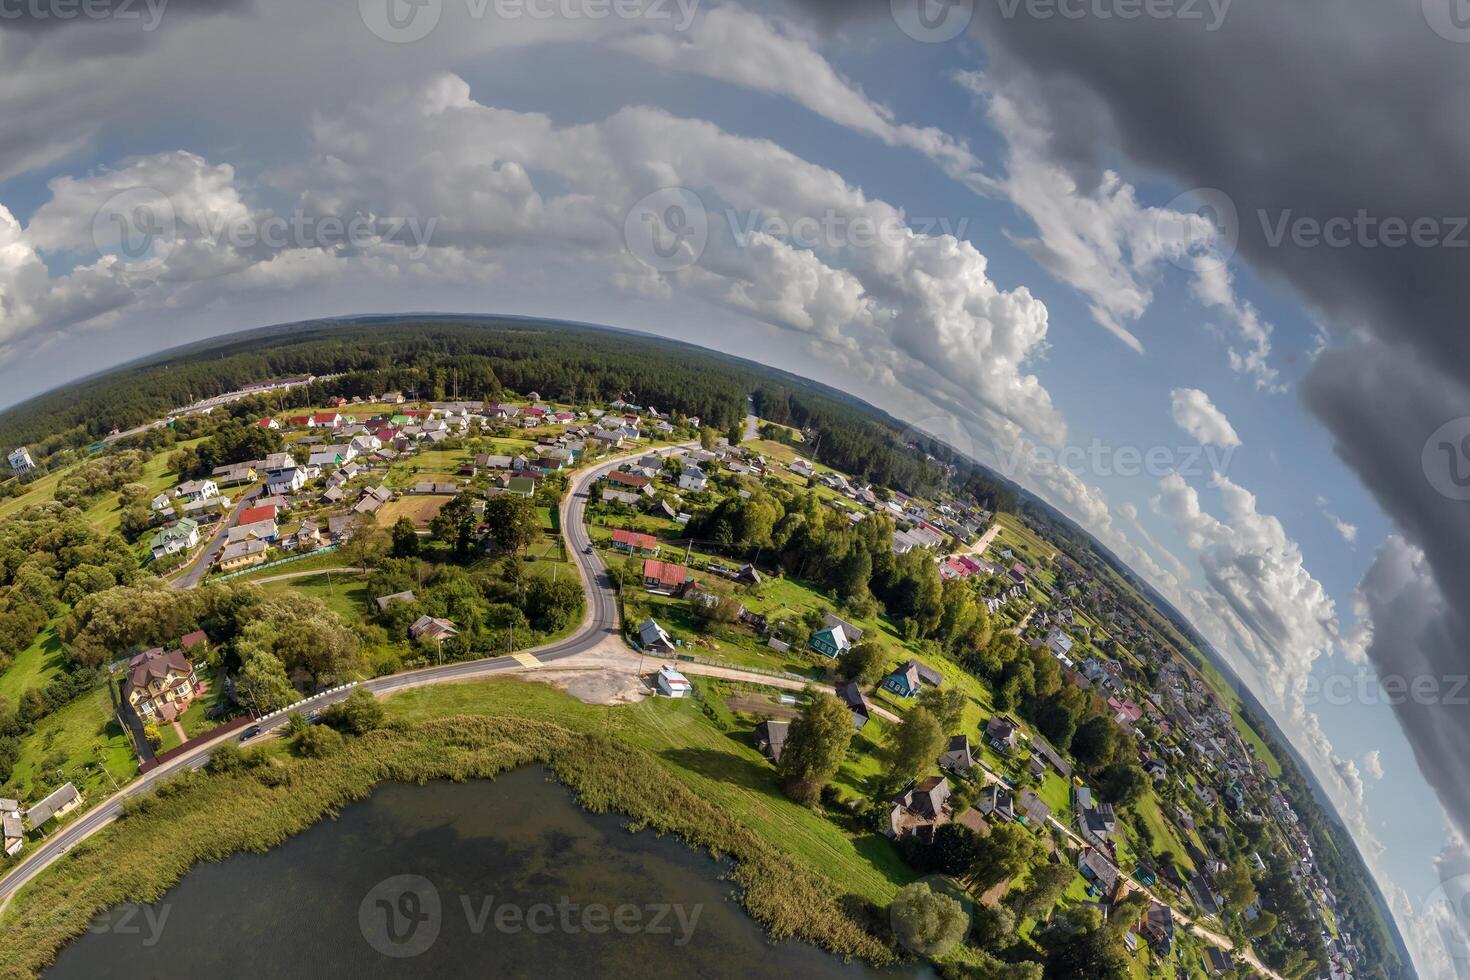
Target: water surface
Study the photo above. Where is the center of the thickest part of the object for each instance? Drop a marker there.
(491, 878)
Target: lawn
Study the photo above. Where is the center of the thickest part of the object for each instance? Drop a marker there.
(34, 666)
(82, 742)
(723, 769)
(419, 508)
(311, 563)
(345, 593)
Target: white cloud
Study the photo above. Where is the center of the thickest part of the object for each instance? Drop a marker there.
(1373, 763)
(1200, 419)
(774, 56)
(1349, 532)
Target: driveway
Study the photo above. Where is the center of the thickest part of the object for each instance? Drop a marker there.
(202, 564)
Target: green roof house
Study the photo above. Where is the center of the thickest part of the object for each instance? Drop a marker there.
(830, 642)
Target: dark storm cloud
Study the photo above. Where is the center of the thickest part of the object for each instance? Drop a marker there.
(1383, 406)
(1302, 113)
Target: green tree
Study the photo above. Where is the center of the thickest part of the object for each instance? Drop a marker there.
(152, 735)
(317, 741)
(927, 921)
(405, 538)
(815, 747)
(456, 522)
(1077, 945)
(947, 705)
(513, 522)
(863, 662)
(1047, 885)
(358, 714)
(262, 685)
(915, 745)
(1122, 783)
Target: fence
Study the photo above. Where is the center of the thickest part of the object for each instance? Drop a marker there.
(272, 564)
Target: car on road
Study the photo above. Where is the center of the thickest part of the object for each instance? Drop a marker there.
(587, 550)
(249, 733)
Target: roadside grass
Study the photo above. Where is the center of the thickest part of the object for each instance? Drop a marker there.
(210, 816)
(34, 666)
(82, 742)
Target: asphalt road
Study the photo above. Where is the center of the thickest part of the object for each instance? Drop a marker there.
(600, 622)
(202, 564)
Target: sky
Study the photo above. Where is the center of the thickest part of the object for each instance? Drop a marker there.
(1191, 270)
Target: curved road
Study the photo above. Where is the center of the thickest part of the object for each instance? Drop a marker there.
(600, 622)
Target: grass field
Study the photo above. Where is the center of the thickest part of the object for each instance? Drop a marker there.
(82, 742)
(34, 666)
(723, 769)
(103, 512)
(419, 508)
(345, 593)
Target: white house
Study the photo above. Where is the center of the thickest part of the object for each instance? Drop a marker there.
(693, 478)
(671, 683)
(181, 536)
(197, 490)
(284, 481)
(20, 461)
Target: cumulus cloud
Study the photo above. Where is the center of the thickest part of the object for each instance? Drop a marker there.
(1200, 419)
(1373, 763)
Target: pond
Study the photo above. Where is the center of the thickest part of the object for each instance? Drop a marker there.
(490, 878)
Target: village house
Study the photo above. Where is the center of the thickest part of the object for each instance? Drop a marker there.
(670, 683)
(634, 542)
(852, 695)
(770, 738)
(242, 554)
(55, 806)
(664, 577)
(12, 828)
(1002, 734)
(907, 680)
(652, 636)
(830, 642)
(920, 808)
(160, 686)
(183, 535)
(431, 629)
(384, 601)
(958, 757)
(193, 490)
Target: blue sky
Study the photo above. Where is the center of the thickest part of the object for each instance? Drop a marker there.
(519, 142)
